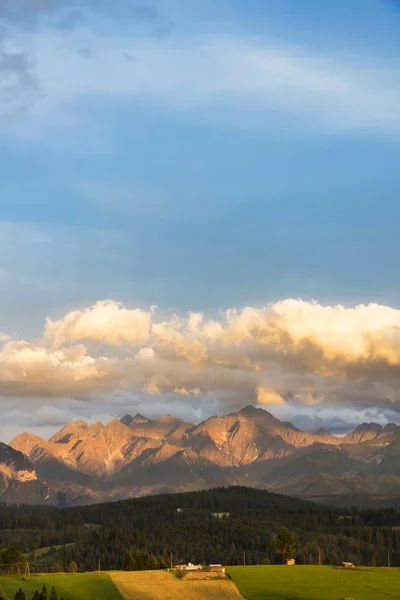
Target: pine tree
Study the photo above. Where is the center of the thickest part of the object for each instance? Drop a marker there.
(20, 595)
(53, 594)
(44, 593)
(129, 564)
(285, 543)
(153, 562)
(72, 567)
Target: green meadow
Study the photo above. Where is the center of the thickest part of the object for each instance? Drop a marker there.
(80, 586)
(316, 583)
(45, 550)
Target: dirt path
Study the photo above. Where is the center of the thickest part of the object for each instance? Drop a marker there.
(160, 585)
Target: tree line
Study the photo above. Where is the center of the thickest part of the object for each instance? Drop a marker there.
(284, 546)
(151, 532)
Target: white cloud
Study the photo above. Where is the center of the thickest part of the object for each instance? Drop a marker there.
(106, 322)
(219, 76)
(145, 353)
(169, 338)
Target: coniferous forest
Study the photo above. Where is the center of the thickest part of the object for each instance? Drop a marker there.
(42, 595)
(225, 525)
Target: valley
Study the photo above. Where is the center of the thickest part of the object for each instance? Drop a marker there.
(214, 526)
(124, 549)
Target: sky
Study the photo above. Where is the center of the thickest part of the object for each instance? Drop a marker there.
(199, 210)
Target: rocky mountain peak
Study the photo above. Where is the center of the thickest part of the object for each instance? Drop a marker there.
(248, 410)
(253, 413)
(168, 419)
(322, 432)
(391, 428)
(71, 430)
(363, 433)
(138, 418)
(25, 442)
(127, 420)
(368, 427)
(116, 427)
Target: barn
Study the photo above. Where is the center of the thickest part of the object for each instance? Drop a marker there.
(217, 567)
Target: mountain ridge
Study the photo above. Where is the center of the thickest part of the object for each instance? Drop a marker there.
(133, 456)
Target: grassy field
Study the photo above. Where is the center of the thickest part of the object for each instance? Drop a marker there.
(160, 585)
(39, 552)
(316, 583)
(81, 586)
(254, 583)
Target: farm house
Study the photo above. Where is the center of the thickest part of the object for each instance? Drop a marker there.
(188, 567)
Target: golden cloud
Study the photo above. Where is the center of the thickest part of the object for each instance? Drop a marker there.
(307, 353)
(28, 369)
(107, 322)
(268, 396)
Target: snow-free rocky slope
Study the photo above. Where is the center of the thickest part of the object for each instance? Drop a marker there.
(19, 483)
(135, 455)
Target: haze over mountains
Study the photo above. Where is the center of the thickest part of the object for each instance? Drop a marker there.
(85, 463)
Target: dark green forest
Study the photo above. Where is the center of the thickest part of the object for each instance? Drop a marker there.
(182, 527)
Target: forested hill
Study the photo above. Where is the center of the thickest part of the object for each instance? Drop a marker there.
(216, 525)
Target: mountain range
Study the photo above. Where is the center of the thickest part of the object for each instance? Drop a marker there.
(135, 456)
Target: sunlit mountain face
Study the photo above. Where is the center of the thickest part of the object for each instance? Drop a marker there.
(85, 463)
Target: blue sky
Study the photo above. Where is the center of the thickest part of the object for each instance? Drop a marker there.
(197, 155)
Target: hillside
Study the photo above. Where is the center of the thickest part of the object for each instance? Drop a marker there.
(184, 525)
(134, 456)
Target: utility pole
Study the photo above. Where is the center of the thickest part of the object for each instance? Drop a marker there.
(319, 556)
(172, 563)
(244, 558)
(388, 558)
(99, 567)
